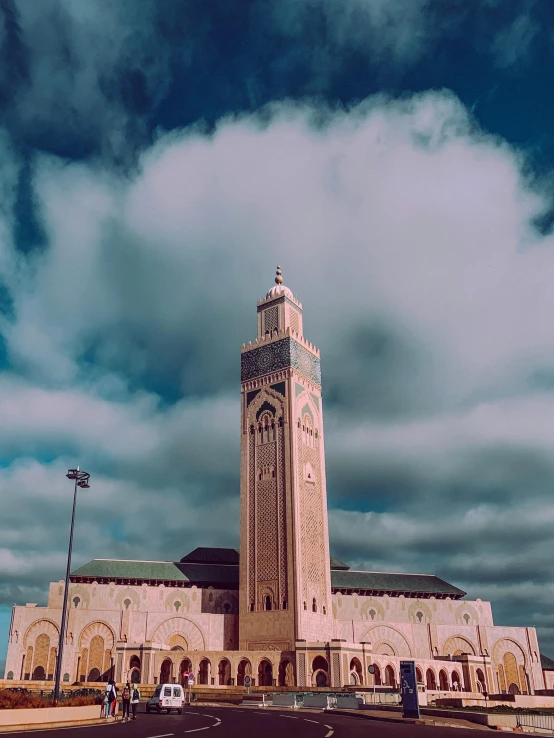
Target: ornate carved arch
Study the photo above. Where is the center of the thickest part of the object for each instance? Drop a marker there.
(127, 594)
(466, 615)
(181, 598)
(305, 403)
(270, 396)
(370, 605)
(457, 644)
(190, 631)
(44, 625)
(97, 628)
(419, 608)
(508, 645)
(81, 592)
(385, 634)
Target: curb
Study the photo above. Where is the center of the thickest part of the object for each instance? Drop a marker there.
(365, 716)
(47, 726)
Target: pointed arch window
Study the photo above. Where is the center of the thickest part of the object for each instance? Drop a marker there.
(308, 431)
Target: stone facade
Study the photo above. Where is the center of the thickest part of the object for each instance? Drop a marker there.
(283, 612)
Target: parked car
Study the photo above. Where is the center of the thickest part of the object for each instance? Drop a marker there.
(167, 697)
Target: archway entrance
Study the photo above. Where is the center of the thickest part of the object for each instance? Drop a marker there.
(204, 672)
(265, 673)
(224, 672)
(377, 675)
(481, 683)
(185, 666)
(134, 668)
(321, 678)
(94, 675)
(456, 683)
(430, 679)
(244, 669)
(39, 673)
(443, 681)
(165, 672)
(286, 674)
(356, 672)
(390, 681)
(419, 675)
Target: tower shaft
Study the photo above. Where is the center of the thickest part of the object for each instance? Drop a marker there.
(285, 589)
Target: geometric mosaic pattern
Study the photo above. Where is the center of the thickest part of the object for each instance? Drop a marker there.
(280, 355)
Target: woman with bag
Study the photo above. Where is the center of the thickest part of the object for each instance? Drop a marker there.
(135, 699)
(126, 701)
(108, 698)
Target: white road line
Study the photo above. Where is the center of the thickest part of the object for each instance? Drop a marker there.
(331, 731)
(292, 717)
(165, 735)
(311, 721)
(195, 730)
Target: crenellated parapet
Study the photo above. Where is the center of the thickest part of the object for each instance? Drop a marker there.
(277, 335)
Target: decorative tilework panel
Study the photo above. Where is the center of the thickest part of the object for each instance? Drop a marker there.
(294, 321)
(335, 667)
(312, 523)
(279, 355)
(302, 669)
(271, 319)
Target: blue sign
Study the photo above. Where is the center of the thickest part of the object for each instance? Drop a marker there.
(408, 689)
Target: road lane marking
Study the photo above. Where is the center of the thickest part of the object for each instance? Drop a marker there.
(165, 735)
(312, 721)
(331, 731)
(292, 717)
(195, 730)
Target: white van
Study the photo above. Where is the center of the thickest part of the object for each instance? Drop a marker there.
(167, 697)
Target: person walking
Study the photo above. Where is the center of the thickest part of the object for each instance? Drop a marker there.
(126, 701)
(108, 698)
(135, 699)
(114, 699)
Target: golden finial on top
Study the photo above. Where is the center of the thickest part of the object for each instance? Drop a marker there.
(279, 278)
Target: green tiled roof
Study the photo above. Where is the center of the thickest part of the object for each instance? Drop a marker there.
(113, 569)
(337, 564)
(547, 663)
(426, 584)
(159, 571)
(227, 574)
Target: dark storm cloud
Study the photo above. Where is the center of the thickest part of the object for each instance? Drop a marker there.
(82, 78)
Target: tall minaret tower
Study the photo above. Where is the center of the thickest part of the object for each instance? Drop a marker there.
(285, 584)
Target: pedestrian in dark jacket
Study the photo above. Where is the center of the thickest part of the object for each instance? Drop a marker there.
(126, 701)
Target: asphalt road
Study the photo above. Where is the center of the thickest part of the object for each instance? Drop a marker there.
(227, 722)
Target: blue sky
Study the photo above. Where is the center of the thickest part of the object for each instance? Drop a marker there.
(158, 158)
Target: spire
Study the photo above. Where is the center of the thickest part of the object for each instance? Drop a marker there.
(279, 277)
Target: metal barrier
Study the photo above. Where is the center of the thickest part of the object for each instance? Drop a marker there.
(380, 698)
(543, 722)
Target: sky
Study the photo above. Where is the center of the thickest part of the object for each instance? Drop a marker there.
(159, 158)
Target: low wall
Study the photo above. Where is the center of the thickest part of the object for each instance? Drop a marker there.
(517, 701)
(42, 715)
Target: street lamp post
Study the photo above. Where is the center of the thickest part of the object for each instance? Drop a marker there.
(81, 480)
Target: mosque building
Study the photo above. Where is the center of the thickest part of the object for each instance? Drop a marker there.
(281, 610)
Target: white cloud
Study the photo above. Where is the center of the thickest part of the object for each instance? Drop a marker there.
(405, 232)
